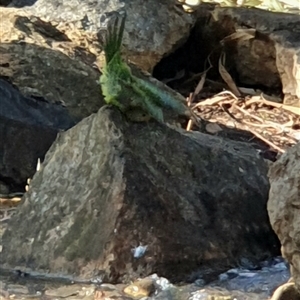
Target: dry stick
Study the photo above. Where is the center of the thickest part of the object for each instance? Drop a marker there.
(249, 114)
(264, 126)
(261, 99)
(201, 82)
(200, 85)
(216, 99)
(5, 218)
(256, 133)
(226, 76)
(189, 125)
(190, 122)
(281, 127)
(242, 34)
(189, 99)
(192, 96)
(265, 140)
(230, 93)
(231, 115)
(290, 123)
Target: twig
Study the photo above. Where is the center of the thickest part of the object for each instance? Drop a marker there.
(264, 123)
(261, 99)
(226, 76)
(189, 102)
(189, 125)
(265, 140)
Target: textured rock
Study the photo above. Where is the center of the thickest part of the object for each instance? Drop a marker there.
(153, 28)
(286, 291)
(27, 129)
(120, 200)
(14, 106)
(43, 62)
(50, 71)
(270, 58)
(284, 204)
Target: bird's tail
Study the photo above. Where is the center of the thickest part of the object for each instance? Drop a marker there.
(114, 35)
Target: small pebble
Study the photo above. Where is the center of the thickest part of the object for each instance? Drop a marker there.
(140, 288)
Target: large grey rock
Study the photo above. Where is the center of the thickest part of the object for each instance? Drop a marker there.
(284, 204)
(153, 28)
(107, 188)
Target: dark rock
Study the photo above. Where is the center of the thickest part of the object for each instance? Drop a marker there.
(4, 2)
(14, 106)
(21, 3)
(120, 200)
(27, 129)
(52, 76)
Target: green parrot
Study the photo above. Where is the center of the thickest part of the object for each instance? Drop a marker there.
(134, 96)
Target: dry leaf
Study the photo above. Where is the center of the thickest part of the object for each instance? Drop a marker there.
(240, 34)
(227, 77)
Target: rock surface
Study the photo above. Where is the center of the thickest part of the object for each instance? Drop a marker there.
(284, 204)
(42, 61)
(28, 127)
(4, 2)
(110, 202)
(153, 29)
(265, 50)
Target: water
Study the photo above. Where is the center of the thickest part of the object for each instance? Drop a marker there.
(252, 283)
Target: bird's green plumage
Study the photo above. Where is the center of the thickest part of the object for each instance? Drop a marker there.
(115, 70)
(124, 90)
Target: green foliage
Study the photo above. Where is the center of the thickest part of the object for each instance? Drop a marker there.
(113, 39)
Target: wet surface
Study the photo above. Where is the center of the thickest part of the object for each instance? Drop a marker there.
(239, 283)
(263, 281)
